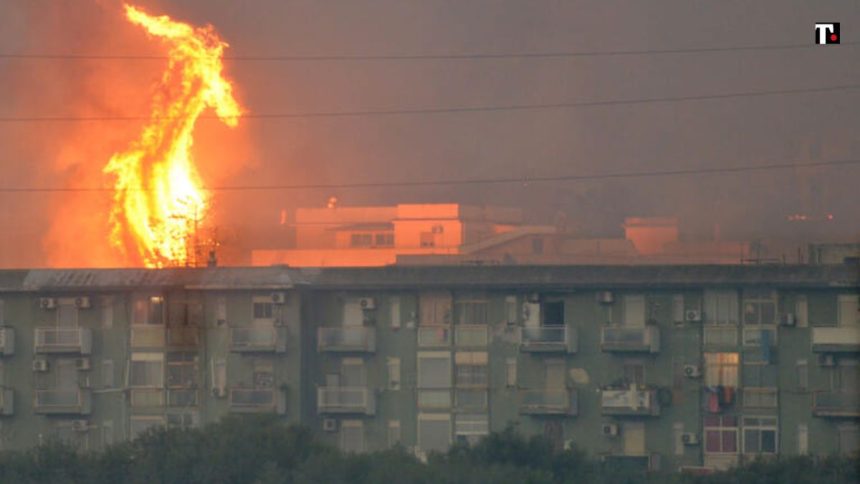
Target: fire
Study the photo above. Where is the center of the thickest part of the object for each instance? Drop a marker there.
(159, 196)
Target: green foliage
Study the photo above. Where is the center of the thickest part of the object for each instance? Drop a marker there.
(262, 450)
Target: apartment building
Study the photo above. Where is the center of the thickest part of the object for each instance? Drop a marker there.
(655, 367)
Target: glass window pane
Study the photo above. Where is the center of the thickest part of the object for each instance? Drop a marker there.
(730, 441)
(712, 441)
(768, 441)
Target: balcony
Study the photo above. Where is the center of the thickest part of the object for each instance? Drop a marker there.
(645, 339)
(146, 397)
(63, 340)
(434, 336)
(259, 340)
(348, 339)
(147, 336)
(629, 402)
(836, 404)
(346, 400)
(76, 401)
(7, 341)
(471, 336)
(183, 336)
(257, 400)
(836, 340)
(548, 402)
(7, 401)
(548, 339)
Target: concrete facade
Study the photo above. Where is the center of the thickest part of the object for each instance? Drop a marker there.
(649, 366)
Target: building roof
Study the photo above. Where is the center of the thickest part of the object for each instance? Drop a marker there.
(474, 277)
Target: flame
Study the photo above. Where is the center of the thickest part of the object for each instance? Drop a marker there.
(159, 196)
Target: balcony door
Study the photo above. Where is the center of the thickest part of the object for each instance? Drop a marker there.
(353, 373)
(555, 375)
(634, 311)
(633, 434)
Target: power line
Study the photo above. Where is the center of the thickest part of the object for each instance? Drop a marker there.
(477, 181)
(453, 110)
(441, 56)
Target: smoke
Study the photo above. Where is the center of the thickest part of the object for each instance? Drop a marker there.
(335, 150)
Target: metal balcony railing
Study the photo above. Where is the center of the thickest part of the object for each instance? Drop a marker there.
(471, 335)
(836, 340)
(645, 339)
(63, 340)
(631, 401)
(549, 339)
(836, 404)
(147, 336)
(254, 400)
(434, 336)
(259, 340)
(548, 402)
(347, 339)
(346, 400)
(75, 401)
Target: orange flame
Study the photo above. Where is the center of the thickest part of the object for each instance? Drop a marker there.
(159, 197)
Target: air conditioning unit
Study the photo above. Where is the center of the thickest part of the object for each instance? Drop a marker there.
(47, 303)
(826, 360)
(367, 303)
(605, 297)
(82, 364)
(83, 303)
(689, 438)
(279, 298)
(693, 316)
(40, 364)
(329, 425)
(610, 430)
(789, 319)
(692, 371)
(219, 392)
(80, 425)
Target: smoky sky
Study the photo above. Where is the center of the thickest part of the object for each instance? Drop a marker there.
(536, 143)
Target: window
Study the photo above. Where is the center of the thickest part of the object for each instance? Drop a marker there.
(181, 370)
(395, 312)
(802, 375)
(148, 310)
(849, 312)
(146, 370)
(759, 307)
(361, 240)
(219, 374)
(634, 310)
(434, 432)
(721, 369)
(393, 373)
(760, 435)
(471, 369)
(678, 312)
(849, 439)
(802, 439)
(472, 312)
(352, 436)
(471, 426)
(801, 311)
(221, 310)
(183, 420)
(264, 373)
(107, 312)
(435, 308)
(721, 434)
(721, 335)
(760, 337)
(67, 314)
(721, 307)
(553, 312)
(107, 374)
(434, 379)
(263, 307)
(393, 432)
(511, 372)
(511, 310)
(384, 240)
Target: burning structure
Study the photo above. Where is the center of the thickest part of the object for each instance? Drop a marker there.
(160, 199)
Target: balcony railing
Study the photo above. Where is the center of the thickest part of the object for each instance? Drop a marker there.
(434, 336)
(146, 397)
(629, 401)
(7, 341)
(346, 400)
(183, 336)
(548, 402)
(347, 339)
(63, 340)
(256, 400)
(259, 340)
(7, 401)
(836, 340)
(645, 339)
(471, 335)
(147, 336)
(548, 339)
(836, 404)
(76, 401)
